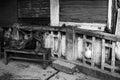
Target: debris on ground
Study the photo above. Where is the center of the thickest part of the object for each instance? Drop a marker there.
(27, 70)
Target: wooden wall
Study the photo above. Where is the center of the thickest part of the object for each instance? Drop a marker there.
(33, 8)
(38, 11)
(34, 11)
(8, 12)
(91, 11)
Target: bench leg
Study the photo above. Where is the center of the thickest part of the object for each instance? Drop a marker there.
(44, 61)
(5, 58)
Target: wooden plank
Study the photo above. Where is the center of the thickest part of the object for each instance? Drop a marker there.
(93, 47)
(117, 32)
(87, 26)
(54, 12)
(98, 34)
(70, 44)
(20, 51)
(29, 59)
(74, 43)
(103, 54)
(84, 45)
(52, 45)
(113, 57)
(59, 44)
(101, 74)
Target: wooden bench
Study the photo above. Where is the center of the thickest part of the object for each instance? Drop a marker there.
(25, 55)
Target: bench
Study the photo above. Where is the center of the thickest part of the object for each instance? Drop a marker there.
(30, 55)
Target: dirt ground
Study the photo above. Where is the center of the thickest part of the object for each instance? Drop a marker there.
(17, 69)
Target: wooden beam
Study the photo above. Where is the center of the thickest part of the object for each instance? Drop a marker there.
(94, 71)
(54, 12)
(117, 31)
(103, 54)
(98, 34)
(113, 57)
(84, 46)
(93, 51)
(110, 6)
(87, 26)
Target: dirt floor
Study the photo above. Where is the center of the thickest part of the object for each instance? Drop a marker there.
(17, 69)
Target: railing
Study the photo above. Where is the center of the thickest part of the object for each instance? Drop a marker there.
(93, 48)
(105, 53)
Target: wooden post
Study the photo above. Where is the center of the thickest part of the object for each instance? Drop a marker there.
(70, 44)
(84, 46)
(73, 28)
(59, 44)
(93, 47)
(52, 44)
(54, 12)
(113, 57)
(76, 46)
(103, 54)
(110, 6)
(117, 31)
(5, 58)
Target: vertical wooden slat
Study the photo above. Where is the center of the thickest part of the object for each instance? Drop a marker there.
(52, 44)
(59, 44)
(66, 43)
(93, 47)
(76, 46)
(113, 57)
(84, 45)
(69, 43)
(74, 42)
(114, 15)
(103, 54)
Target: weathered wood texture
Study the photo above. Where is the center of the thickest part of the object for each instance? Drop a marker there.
(106, 42)
(117, 32)
(8, 12)
(54, 12)
(84, 11)
(77, 30)
(34, 12)
(69, 44)
(33, 8)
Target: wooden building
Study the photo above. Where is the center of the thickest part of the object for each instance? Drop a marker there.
(83, 32)
(58, 12)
